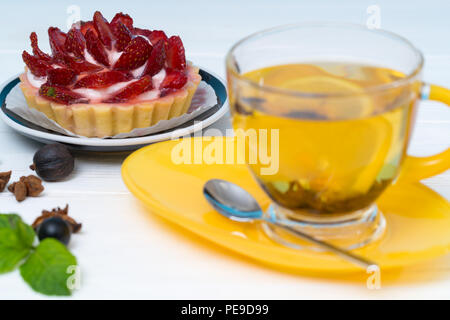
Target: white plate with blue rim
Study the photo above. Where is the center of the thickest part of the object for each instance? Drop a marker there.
(35, 132)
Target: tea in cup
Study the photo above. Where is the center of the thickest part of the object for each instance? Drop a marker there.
(343, 100)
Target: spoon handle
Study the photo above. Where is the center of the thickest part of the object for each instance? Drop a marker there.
(351, 257)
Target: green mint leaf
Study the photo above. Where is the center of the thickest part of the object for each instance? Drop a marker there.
(46, 269)
(16, 241)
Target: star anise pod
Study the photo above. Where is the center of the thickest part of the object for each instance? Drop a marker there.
(58, 212)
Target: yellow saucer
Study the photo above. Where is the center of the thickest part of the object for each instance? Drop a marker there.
(418, 219)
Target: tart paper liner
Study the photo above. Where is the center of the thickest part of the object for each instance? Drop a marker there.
(99, 121)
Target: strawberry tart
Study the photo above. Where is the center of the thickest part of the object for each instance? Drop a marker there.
(105, 78)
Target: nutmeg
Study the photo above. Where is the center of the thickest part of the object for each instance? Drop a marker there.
(53, 162)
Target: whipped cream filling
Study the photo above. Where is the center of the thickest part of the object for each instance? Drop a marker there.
(138, 71)
(89, 58)
(96, 95)
(113, 56)
(35, 81)
(154, 93)
(158, 78)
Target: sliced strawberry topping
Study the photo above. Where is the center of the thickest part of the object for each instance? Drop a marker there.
(96, 48)
(57, 40)
(36, 51)
(124, 18)
(157, 35)
(104, 31)
(174, 80)
(37, 66)
(123, 36)
(67, 66)
(134, 55)
(156, 60)
(103, 79)
(61, 94)
(132, 90)
(75, 42)
(175, 53)
(61, 76)
(87, 25)
(76, 64)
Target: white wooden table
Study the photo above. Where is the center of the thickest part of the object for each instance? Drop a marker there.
(125, 252)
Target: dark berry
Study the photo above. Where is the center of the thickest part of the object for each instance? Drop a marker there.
(55, 228)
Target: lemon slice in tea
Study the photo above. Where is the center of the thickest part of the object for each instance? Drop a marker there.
(342, 99)
(274, 76)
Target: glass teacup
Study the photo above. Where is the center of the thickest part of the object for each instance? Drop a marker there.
(342, 100)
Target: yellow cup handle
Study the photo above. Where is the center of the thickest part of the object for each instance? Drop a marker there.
(418, 168)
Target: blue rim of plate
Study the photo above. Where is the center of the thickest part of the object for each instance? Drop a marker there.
(44, 135)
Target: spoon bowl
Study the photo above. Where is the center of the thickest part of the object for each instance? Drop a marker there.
(232, 201)
(237, 204)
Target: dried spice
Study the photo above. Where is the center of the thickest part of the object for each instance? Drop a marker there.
(58, 212)
(30, 186)
(53, 162)
(34, 185)
(19, 189)
(4, 179)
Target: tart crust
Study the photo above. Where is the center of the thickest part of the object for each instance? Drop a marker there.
(104, 119)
